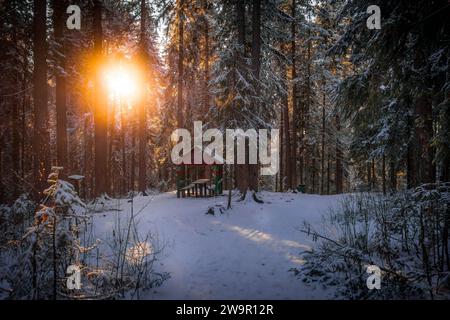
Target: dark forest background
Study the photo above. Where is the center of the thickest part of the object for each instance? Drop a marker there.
(358, 109)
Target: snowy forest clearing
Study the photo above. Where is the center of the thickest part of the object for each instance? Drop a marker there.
(244, 253)
(87, 119)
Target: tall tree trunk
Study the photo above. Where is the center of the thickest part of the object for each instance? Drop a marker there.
(142, 112)
(206, 54)
(40, 96)
(410, 166)
(59, 7)
(322, 156)
(383, 173)
(307, 148)
(133, 150)
(14, 124)
(142, 148)
(87, 165)
(424, 133)
(392, 177)
(287, 141)
(180, 107)
(444, 146)
(112, 146)
(23, 139)
(248, 173)
(256, 66)
(293, 154)
(339, 168)
(241, 170)
(301, 119)
(123, 130)
(15, 139)
(328, 172)
(100, 110)
(240, 17)
(41, 137)
(313, 170)
(374, 176)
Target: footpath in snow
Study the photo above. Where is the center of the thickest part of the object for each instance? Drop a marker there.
(244, 253)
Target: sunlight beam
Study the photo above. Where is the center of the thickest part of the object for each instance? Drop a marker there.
(122, 82)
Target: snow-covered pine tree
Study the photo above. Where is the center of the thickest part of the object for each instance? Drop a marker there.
(401, 88)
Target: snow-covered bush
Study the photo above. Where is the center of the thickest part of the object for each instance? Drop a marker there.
(131, 259)
(14, 218)
(405, 235)
(14, 266)
(40, 241)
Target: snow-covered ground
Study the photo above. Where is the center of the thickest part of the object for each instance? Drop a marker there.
(244, 253)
